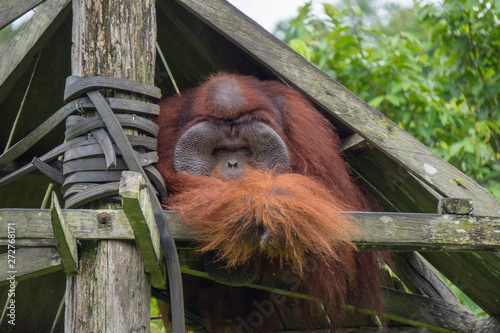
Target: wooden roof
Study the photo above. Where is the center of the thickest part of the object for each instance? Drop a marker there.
(203, 37)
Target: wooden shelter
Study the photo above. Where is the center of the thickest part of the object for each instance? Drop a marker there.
(437, 219)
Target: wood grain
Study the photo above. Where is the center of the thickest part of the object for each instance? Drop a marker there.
(11, 10)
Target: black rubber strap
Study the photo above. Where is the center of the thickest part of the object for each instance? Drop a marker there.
(168, 244)
(76, 125)
(156, 178)
(77, 188)
(77, 86)
(91, 194)
(99, 163)
(98, 176)
(95, 150)
(106, 145)
(47, 170)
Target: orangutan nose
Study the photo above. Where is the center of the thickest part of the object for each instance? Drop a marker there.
(232, 164)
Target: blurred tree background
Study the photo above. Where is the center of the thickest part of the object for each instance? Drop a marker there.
(433, 68)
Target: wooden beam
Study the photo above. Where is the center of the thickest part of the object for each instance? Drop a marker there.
(487, 325)
(66, 243)
(112, 292)
(30, 263)
(425, 232)
(425, 312)
(17, 56)
(421, 278)
(10, 10)
(380, 231)
(137, 207)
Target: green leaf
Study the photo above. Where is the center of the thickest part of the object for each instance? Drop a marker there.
(393, 99)
(331, 10)
(301, 47)
(455, 148)
(376, 101)
(357, 10)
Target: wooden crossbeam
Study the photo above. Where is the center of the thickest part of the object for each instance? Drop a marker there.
(137, 207)
(380, 231)
(66, 243)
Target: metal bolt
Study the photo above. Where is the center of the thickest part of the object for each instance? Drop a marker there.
(143, 185)
(103, 217)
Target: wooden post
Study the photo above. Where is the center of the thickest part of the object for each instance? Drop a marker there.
(112, 293)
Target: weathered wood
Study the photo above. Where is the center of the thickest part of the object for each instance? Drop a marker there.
(15, 58)
(381, 132)
(421, 278)
(475, 273)
(109, 275)
(487, 325)
(137, 207)
(392, 183)
(455, 206)
(29, 263)
(31, 242)
(66, 243)
(427, 313)
(111, 38)
(352, 143)
(380, 231)
(10, 10)
(430, 231)
(84, 224)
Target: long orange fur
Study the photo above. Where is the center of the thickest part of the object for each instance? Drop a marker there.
(301, 210)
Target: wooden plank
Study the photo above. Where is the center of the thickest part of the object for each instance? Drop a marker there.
(393, 141)
(137, 207)
(380, 231)
(487, 325)
(421, 278)
(426, 312)
(15, 58)
(66, 243)
(10, 10)
(36, 224)
(475, 273)
(428, 231)
(29, 263)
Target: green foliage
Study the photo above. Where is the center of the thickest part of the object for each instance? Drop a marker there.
(156, 324)
(435, 73)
